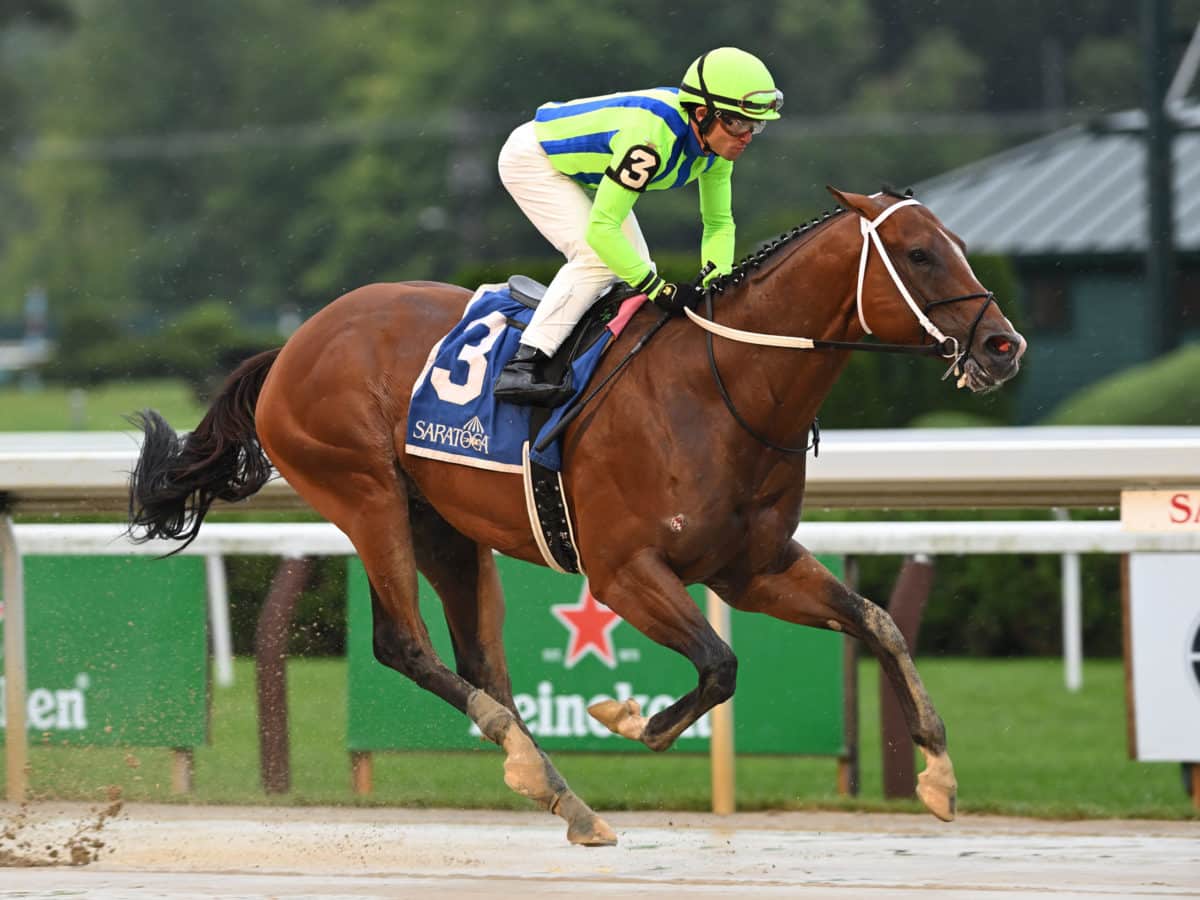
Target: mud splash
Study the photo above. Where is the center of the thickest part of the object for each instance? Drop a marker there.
(22, 847)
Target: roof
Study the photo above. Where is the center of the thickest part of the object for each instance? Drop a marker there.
(1081, 190)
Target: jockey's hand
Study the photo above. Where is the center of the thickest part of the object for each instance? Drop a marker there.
(674, 298)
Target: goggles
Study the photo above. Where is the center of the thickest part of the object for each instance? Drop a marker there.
(755, 102)
(762, 101)
(736, 125)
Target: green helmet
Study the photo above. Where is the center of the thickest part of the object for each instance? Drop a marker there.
(731, 79)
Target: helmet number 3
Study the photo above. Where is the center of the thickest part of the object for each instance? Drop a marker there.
(635, 169)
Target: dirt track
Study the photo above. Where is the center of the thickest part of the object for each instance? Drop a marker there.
(202, 852)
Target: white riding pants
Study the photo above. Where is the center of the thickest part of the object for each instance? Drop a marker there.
(559, 208)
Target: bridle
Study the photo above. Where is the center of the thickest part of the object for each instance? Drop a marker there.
(943, 346)
(947, 347)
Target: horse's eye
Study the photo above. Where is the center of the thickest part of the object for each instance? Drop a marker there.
(919, 256)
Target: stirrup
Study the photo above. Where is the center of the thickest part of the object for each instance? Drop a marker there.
(533, 393)
(521, 386)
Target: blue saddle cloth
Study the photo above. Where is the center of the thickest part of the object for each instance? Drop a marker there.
(453, 415)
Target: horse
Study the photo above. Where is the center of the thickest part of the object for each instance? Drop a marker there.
(672, 476)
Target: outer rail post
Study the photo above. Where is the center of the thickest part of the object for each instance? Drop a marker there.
(183, 767)
(362, 772)
(16, 744)
(1072, 615)
(271, 640)
(218, 617)
(721, 751)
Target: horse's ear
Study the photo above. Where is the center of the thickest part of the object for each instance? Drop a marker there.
(861, 204)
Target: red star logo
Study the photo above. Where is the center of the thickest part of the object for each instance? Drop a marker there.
(590, 623)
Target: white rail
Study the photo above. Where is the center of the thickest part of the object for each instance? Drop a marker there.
(896, 469)
(851, 538)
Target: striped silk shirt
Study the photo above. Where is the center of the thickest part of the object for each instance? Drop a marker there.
(621, 145)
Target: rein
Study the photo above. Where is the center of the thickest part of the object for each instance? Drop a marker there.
(712, 365)
(571, 414)
(946, 347)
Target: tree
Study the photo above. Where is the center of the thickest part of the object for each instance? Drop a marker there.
(280, 152)
(25, 30)
(203, 208)
(1106, 71)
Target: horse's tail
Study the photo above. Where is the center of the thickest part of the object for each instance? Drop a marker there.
(177, 478)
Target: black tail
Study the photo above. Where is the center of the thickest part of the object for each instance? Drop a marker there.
(177, 478)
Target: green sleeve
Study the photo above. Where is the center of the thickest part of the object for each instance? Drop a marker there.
(612, 204)
(716, 211)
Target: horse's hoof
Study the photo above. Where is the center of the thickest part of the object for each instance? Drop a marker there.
(594, 834)
(936, 786)
(584, 827)
(623, 718)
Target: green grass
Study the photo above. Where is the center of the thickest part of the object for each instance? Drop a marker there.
(101, 408)
(1021, 744)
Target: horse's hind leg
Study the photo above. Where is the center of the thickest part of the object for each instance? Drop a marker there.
(371, 507)
(465, 576)
(466, 579)
(805, 592)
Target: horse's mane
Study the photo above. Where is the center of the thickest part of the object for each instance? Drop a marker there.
(796, 237)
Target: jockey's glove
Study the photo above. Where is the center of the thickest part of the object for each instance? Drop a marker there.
(673, 298)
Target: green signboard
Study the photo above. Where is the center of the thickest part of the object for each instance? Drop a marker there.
(116, 651)
(566, 651)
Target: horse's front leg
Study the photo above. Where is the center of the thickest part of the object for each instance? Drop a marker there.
(651, 598)
(803, 591)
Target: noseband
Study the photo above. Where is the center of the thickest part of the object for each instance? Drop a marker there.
(943, 346)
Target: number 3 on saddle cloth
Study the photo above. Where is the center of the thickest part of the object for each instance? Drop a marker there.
(453, 416)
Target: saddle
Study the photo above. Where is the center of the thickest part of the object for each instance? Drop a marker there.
(529, 292)
(544, 492)
(453, 416)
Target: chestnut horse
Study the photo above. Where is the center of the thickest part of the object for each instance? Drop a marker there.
(672, 477)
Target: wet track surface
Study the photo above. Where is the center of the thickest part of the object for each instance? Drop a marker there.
(150, 851)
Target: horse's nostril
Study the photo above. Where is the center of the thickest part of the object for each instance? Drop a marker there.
(1001, 345)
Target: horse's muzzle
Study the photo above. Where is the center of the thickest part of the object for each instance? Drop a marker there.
(996, 359)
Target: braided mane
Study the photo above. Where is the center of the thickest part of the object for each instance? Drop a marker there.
(744, 267)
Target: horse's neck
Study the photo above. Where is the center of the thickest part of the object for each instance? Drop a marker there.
(804, 292)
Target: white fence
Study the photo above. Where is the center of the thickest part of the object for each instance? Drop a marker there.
(1065, 537)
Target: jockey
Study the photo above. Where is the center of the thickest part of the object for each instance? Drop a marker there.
(577, 169)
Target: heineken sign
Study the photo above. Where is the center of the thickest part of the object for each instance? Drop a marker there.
(566, 651)
(117, 651)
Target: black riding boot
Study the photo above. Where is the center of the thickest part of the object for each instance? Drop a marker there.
(521, 381)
